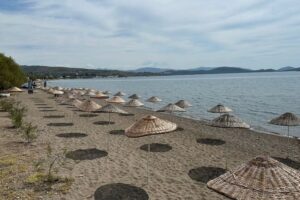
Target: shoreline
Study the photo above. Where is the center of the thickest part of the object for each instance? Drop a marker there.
(207, 123)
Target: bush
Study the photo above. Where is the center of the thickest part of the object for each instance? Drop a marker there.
(10, 73)
(29, 132)
(16, 115)
(7, 104)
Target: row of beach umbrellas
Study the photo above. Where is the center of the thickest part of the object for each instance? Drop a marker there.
(243, 182)
(224, 120)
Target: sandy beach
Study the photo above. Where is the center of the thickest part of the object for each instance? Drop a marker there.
(126, 162)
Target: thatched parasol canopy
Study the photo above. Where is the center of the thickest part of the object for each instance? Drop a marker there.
(90, 93)
(116, 99)
(89, 106)
(71, 96)
(50, 91)
(260, 178)
(229, 121)
(58, 88)
(134, 96)
(76, 102)
(183, 104)
(286, 119)
(57, 92)
(171, 108)
(134, 103)
(109, 108)
(14, 89)
(81, 92)
(154, 99)
(100, 95)
(149, 125)
(120, 94)
(220, 109)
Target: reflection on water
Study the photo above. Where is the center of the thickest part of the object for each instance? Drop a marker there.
(255, 97)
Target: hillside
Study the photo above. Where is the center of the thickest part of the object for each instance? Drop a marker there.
(66, 72)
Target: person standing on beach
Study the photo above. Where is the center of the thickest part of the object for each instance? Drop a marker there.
(45, 83)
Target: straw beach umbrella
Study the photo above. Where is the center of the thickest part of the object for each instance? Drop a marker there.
(109, 108)
(120, 94)
(14, 89)
(57, 93)
(106, 92)
(76, 102)
(149, 125)
(88, 106)
(134, 103)
(183, 104)
(116, 99)
(134, 96)
(287, 119)
(153, 100)
(50, 90)
(260, 178)
(171, 108)
(100, 95)
(220, 109)
(229, 121)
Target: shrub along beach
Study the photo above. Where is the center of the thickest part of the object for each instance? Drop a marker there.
(60, 143)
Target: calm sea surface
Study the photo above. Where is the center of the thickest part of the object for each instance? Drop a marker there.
(255, 97)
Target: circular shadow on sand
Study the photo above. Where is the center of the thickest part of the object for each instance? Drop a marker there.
(103, 123)
(71, 135)
(60, 124)
(117, 132)
(120, 191)
(54, 116)
(156, 147)
(126, 114)
(48, 110)
(205, 174)
(288, 162)
(41, 104)
(179, 129)
(86, 154)
(88, 115)
(63, 104)
(44, 107)
(209, 141)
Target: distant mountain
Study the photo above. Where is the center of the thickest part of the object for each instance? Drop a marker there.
(66, 72)
(222, 70)
(201, 69)
(150, 69)
(295, 69)
(287, 68)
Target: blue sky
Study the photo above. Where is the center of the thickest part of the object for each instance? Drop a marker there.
(127, 34)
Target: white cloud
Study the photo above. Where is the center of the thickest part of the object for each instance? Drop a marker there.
(126, 34)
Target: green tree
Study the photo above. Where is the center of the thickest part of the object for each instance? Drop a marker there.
(10, 73)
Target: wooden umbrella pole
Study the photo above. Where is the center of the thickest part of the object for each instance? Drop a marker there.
(148, 163)
(288, 150)
(109, 129)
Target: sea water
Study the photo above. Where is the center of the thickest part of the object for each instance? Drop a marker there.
(256, 98)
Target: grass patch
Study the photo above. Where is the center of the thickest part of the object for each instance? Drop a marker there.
(42, 182)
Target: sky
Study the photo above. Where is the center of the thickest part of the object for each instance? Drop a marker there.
(129, 34)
